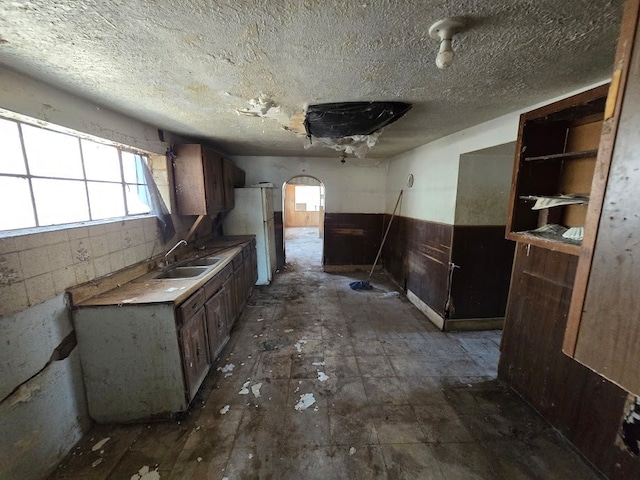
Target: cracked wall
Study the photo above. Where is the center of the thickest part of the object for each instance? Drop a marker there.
(43, 409)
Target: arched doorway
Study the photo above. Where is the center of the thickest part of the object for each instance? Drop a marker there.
(303, 220)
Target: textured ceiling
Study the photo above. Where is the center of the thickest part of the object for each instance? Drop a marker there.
(188, 65)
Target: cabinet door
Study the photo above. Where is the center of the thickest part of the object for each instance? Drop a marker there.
(240, 288)
(216, 323)
(195, 358)
(248, 275)
(254, 263)
(230, 302)
(603, 328)
(228, 173)
(214, 181)
(188, 180)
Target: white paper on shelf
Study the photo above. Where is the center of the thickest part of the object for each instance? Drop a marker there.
(556, 200)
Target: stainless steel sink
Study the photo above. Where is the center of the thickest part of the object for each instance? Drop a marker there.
(182, 272)
(208, 261)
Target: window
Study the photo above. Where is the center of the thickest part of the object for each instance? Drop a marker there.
(52, 178)
(307, 198)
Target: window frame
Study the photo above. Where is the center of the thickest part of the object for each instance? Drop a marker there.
(20, 121)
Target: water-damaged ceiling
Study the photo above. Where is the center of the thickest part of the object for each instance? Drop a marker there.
(188, 66)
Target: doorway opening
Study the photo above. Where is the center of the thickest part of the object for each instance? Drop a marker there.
(303, 220)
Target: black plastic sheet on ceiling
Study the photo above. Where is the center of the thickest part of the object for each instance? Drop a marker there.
(337, 120)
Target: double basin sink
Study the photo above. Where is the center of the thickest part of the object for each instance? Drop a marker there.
(191, 269)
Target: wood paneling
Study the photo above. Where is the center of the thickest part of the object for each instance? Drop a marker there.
(480, 281)
(352, 238)
(279, 234)
(294, 218)
(416, 255)
(586, 408)
(608, 340)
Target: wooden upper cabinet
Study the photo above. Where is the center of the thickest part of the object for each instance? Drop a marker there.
(203, 180)
(603, 325)
(228, 176)
(555, 159)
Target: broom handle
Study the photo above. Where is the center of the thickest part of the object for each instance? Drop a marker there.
(385, 236)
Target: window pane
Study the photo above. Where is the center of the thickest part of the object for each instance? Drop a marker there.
(11, 159)
(101, 162)
(106, 200)
(60, 201)
(17, 210)
(137, 199)
(132, 167)
(307, 198)
(51, 154)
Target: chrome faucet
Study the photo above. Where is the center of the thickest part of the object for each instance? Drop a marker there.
(165, 263)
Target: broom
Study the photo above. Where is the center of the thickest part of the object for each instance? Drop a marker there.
(364, 284)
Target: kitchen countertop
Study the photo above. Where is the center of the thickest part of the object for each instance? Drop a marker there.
(147, 289)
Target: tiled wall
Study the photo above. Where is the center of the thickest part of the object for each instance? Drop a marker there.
(36, 267)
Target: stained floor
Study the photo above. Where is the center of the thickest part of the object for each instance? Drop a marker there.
(331, 383)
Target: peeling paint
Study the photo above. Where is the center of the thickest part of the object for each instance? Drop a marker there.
(245, 388)
(306, 400)
(227, 368)
(299, 344)
(24, 394)
(344, 53)
(145, 473)
(100, 444)
(323, 377)
(255, 389)
(7, 274)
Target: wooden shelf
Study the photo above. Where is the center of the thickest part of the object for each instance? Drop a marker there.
(564, 155)
(553, 245)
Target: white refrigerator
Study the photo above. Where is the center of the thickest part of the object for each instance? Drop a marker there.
(253, 215)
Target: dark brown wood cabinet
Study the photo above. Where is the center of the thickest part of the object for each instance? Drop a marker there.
(203, 180)
(195, 355)
(217, 323)
(603, 330)
(228, 177)
(571, 342)
(555, 157)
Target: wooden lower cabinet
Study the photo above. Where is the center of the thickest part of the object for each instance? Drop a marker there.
(231, 309)
(195, 355)
(240, 287)
(145, 361)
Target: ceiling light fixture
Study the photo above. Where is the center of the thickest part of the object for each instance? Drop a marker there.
(444, 30)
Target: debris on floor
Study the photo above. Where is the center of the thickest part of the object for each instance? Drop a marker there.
(255, 389)
(145, 473)
(403, 399)
(299, 345)
(306, 400)
(100, 444)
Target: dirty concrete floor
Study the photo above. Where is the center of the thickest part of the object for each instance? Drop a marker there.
(393, 398)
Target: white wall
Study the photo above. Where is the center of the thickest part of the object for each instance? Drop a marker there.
(42, 403)
(435, 169)
(349, 188)
(435, 166)
(484, 184)
(26, 96)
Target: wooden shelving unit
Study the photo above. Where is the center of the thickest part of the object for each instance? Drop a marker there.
(555, 155)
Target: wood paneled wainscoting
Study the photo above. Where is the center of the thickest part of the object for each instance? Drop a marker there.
(457, 275)
(351, 240)
(583, 405)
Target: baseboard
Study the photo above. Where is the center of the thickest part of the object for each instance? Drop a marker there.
(462, 324)
(349, 268)
(429, 312)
